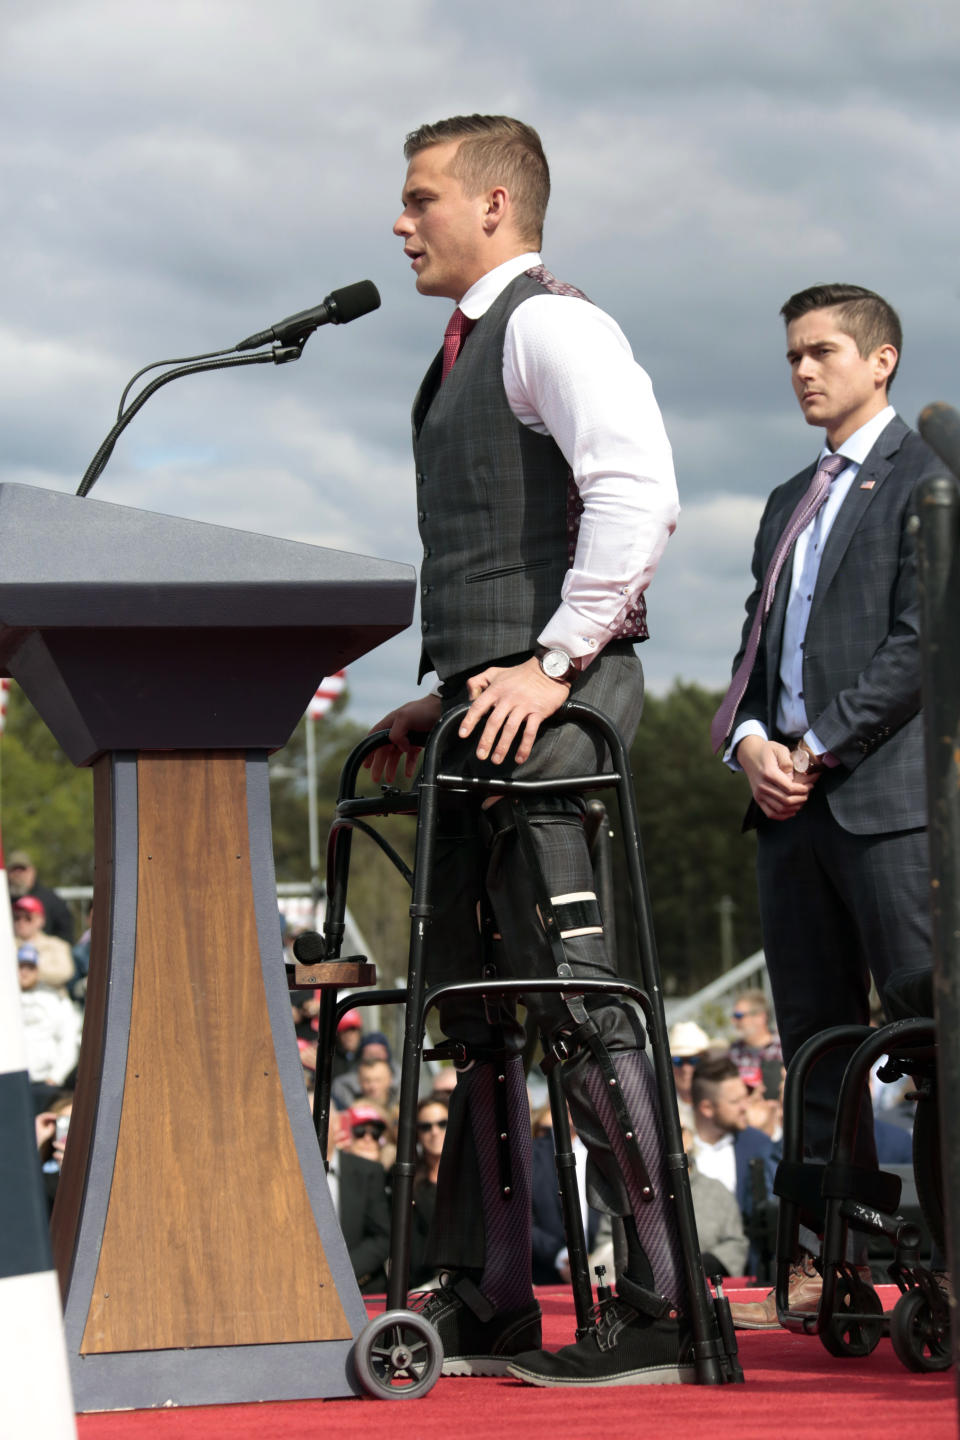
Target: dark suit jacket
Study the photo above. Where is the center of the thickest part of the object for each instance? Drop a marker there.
(364, 1218)
(749, 1145)
(861, 667)
(548, 1234)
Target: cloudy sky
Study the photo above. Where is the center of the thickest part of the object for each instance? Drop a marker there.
(178, 173)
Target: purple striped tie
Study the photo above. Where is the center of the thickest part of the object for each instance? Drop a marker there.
(808, 506)
(458, 328)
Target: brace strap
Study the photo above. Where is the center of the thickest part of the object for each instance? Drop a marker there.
(645, 1302)
(577, 914)
(501, 1114)
(474, 1298)
(570, 1043)
(465, 1057)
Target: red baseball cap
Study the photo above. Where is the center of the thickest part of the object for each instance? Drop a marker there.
(363, 1113)
(30, 904)
(351, 1021)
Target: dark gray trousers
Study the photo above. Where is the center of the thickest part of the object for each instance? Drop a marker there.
(473, 867)
(835, 909)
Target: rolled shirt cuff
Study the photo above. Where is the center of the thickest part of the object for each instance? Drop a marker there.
(748, 727)
(817, 746)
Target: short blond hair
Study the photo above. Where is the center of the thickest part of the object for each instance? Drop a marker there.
(495, 150)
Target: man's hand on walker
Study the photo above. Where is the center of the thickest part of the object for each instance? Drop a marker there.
(511, 697)
(417, 715)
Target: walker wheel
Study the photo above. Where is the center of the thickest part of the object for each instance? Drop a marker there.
(920, 1341)
(846, 1336)
(398, 1356)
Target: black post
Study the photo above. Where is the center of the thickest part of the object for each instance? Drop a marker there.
(938, 505)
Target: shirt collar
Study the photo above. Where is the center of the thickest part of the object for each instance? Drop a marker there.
(722, 1144)
(857, 446)
(483, 292)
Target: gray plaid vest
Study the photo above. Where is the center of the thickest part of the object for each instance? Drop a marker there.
(497, 508)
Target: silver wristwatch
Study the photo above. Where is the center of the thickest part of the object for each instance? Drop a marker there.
(555, 663)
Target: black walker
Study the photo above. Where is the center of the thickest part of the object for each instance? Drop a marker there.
(840, 1195)
(398, 1355)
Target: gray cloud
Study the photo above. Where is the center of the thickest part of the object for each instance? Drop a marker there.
(178, 174)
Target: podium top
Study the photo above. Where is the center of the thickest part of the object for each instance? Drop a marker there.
(134, 631)
(82, 563)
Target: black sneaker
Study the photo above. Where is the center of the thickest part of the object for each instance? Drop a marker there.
(476, 1339)
(627, 1347)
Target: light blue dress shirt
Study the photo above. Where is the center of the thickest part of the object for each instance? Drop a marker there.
(792, 718)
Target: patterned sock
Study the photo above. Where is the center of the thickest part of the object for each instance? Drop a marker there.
(507, 1279)
(655, 1220)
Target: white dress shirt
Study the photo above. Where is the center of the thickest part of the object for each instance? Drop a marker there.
(569, 372)
(717, 1159)
(792, 718)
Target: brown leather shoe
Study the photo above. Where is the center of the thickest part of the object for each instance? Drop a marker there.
(803, 1296)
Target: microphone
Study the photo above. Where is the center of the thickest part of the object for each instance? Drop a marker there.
(339, 308)
(939, 425)
(309, 947)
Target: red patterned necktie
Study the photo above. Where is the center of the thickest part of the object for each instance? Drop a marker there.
(807, 508)
(458, 328)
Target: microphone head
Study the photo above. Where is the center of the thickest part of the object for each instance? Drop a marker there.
(352, 301)
(309, 947)
(939, 425)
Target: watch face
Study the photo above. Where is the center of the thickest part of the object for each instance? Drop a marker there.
(556, 664)
(801, 760)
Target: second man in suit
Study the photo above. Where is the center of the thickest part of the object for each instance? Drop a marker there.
(823, 713)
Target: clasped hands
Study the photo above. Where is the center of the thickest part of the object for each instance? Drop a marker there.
(777, 788)
(514, 699)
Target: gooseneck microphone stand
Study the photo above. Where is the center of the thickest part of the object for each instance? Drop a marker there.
(285, 341)
(277, 355)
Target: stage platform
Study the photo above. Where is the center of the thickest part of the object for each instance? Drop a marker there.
(793, 1389)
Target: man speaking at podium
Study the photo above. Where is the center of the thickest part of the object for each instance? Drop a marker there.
(545, 497)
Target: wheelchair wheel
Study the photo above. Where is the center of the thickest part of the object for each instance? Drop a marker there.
(850, 1337)
(927, 1168)
(398, 1356)
(920, 1342)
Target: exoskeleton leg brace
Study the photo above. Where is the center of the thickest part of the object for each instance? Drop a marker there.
(608, 1080)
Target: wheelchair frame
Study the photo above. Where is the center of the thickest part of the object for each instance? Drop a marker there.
(849, 1319)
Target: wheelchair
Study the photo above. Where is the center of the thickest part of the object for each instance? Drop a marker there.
(840, 1196)
(398, 1355)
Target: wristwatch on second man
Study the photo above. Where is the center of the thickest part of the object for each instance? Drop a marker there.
(805, 762)
(555, 663)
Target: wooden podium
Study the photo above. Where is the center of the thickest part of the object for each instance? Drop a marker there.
(199, 1254)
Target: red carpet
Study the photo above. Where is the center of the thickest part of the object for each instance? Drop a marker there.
(793, 1389)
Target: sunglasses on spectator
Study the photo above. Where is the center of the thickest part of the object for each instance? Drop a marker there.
(368, 1131)
(424, 1125)
(742, 1014)
(679, 1060)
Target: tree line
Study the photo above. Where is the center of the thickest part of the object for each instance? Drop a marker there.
(699, 865)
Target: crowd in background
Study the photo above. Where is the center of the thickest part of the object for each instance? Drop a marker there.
(729, 1096)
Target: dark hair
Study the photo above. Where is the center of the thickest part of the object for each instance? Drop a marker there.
(367, 1062)
(422, 1169)
(440, 1100)
(863, 315)
(710, 1074)
(496, 150)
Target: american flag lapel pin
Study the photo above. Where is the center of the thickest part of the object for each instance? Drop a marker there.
(867, 484)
